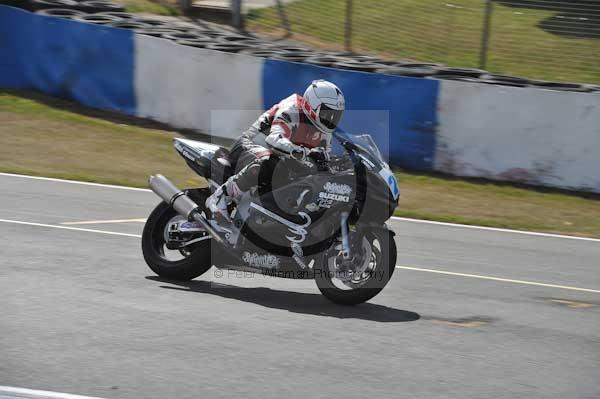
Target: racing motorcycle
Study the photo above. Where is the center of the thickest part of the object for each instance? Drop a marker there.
(321, 219)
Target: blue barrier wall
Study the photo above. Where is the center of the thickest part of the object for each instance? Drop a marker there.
(90, 64)
(409, 136)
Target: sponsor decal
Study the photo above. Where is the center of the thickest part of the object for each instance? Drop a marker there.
(187, 227)
(334, 192)
(298, 255)
(325, 203)
(184, 152)
(335, 188)
(333, 197)
(312, 207)
(297, 249)
(256, 260)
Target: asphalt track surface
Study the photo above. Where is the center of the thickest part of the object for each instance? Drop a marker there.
(81, 313)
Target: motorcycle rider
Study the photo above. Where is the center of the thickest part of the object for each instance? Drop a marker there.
(299, 127)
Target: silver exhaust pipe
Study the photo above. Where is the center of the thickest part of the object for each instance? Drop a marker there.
(181, 203)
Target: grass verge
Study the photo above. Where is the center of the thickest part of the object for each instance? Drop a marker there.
(537, 39)
(158, 7)
(48, 137)
(44, 136)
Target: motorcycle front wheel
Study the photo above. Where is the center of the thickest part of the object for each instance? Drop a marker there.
(366, 278)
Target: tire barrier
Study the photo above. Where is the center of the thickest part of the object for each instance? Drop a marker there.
(164, 33)
(128, 24)
(104, 12)
(35, 5)
(199, 43)
(238, 38)
(262, 53)
(500, 83)
(62, 13)
(93, 6)
(507, 79)
(416, 72)
(119, 15)
(154, 23)
(582, 88)
(358, 66)
(175, 36)
(460, 72)
(87, 6)
(97, 19)
(227, 47)
(325, 60)
(290, 56)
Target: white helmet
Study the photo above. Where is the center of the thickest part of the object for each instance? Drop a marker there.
(324, 105)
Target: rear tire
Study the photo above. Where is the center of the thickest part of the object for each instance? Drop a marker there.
(194, 264)
(386, 264)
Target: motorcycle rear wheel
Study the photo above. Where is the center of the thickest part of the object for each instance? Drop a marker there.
(383, 261)
(196, 258)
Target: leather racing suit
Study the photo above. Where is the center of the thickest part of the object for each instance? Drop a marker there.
(283, 129)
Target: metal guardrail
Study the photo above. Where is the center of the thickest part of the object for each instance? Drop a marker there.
(542, 39)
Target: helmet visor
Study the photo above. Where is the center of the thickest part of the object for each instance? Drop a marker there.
(330, 117)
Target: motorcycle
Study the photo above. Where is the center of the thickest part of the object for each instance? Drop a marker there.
(321, 219)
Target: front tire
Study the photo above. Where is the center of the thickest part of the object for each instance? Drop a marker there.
(195, 262)
(383, 257)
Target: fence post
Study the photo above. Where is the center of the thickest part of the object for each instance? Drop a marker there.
(348, 30)
(284, 19)
(185, 5)
(485, 36)
(236, 14)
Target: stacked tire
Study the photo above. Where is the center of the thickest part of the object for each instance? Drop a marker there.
(86, 6)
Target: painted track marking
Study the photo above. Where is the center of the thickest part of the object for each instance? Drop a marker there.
(418, 269)
(505, 280)
(496, 229)
(83, 183)
(54, 226)
(463, 226)
(37, 394)
(105, 221)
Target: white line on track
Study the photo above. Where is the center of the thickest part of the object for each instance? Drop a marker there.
(37, 394)
(53, 226)
(83, 183)
(105, 221)
(419, 269)
(463, 226)
(505, 280)
(497, 229)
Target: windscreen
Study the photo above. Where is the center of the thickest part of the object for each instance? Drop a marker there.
(365, 146)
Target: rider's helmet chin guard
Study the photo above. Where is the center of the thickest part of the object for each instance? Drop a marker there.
(324, 104)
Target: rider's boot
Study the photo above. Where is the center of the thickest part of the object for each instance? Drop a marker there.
(220, 200)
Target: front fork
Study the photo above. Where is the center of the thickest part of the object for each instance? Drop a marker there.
(345, 235)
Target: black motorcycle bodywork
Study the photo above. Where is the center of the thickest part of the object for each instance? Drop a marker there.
(312, 198)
